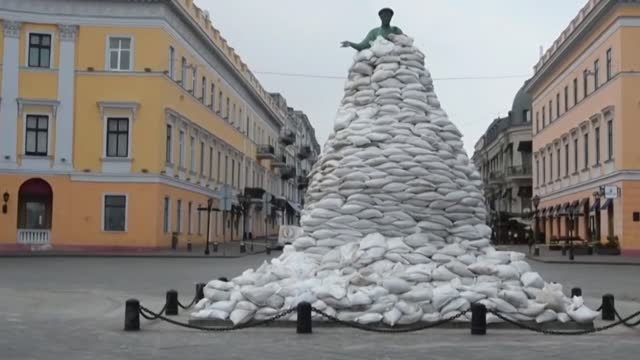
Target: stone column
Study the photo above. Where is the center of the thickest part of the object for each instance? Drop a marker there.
(66, 96)
(9, 105)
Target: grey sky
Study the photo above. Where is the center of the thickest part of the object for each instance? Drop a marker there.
(461, 38)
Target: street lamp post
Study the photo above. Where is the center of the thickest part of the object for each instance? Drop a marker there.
(208, 209)
(536, 203)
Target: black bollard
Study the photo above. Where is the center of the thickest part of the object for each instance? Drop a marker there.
(268, 250)
(172, 303)
(200, 291)
(608, 308)
(576, 291)
(243, 248)
(304, 318)
(132, 315)
(189, 247)
(223, 279)
(215, 247)
(536, 251)
(478, 319)
(571, 257)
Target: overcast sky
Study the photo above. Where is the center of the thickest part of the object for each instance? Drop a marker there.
(461, 38)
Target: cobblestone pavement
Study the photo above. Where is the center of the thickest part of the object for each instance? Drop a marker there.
(72, 308)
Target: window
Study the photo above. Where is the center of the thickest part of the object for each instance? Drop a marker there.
(550, 111)
(203, 94)
(201, 158)
(117, 137)
(558, 163)
(610, 140)
(213, 97)
(181, 154)
(575, 155)
(575, 91)
(566, 98)
(226, 169)
(586, 150)
(115, 213)
(597, 140)
(210, 162)
(218, 167)
(194, 80)
(226, 116)
(120, 53)
(189, 217)
(169, 146)
(537, 121)
(566, 159)
(183, 72)
(179, 217)
(544, 117)
(585, 83)
(220, 102)
(172, 62)
(37, 135)
(233, 173)
(166, 215)
(40, 50)
(609, 72)
(192, 160)
(550, 166)
(233, 114)
(596, 73)
(526, 116)
(544, 170)
(248, 123)
(557, 105)
(199, 219)
(238, 176)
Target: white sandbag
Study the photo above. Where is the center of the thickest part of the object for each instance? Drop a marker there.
(506, 272)
(546, 316)
(521, 266)
(459, 304)
(458, 268)
(265, 313)
(442, 274)
(482, 268)
(201, 304)
(452, 250)
(392, 316)
(442, 295)
(220, 285)
(396, 285)
(532, 279)
(212, 314)
(418, 294)
(563, 317)
(516, 298)
(369, 318)
(532, 309)
(552, 295)
(215, 294)
(583, 314)
(503, 306)
(359, 298)
(382, 47)
(472, 296)
(226, 306)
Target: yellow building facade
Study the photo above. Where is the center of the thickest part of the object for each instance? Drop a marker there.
(119, 120)
(586, 158)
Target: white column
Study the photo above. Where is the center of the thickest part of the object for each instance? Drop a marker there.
(9, 105)
(66, 96)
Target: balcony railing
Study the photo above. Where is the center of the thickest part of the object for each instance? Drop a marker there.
(34, 237)
(266, 152)
(496, 177)
(287, 173)
(305, 152)
(254, 193)
(279, 161)
(519, 171)
(287, 137)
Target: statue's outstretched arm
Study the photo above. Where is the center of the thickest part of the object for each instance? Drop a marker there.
(364, 44)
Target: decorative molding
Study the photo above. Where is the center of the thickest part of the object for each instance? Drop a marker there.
(609, 110)
(12, 28)
(53, 104)
(119, 105)
(67, 32)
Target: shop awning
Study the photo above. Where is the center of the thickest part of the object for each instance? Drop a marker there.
(583, 202)
(543, 212)
(293, 206)
(525, 146)
(558, 210)
(595, 206)
(607, 204)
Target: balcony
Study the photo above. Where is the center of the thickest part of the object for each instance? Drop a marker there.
(279, 161)
(519, 172)
(304, 152)
(34, 237)
(255, 194)
(265, 152)
(496, 177)
(287, 137)
(288, 172)
(303, 182)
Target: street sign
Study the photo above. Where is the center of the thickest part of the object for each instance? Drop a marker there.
(226, 193)
(610, 192)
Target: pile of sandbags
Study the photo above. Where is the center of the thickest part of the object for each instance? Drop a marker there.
(394, 226)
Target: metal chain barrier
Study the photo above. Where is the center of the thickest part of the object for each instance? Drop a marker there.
(625, 320)
(151, 314)
(185, 307)
(154, 316)
(385, 330)
(556, 332)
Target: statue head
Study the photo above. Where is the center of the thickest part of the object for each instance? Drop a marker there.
(385, 15)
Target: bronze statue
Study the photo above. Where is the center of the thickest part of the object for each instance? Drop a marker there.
(385, 30)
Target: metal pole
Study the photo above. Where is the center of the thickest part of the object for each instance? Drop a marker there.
(206, 249)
